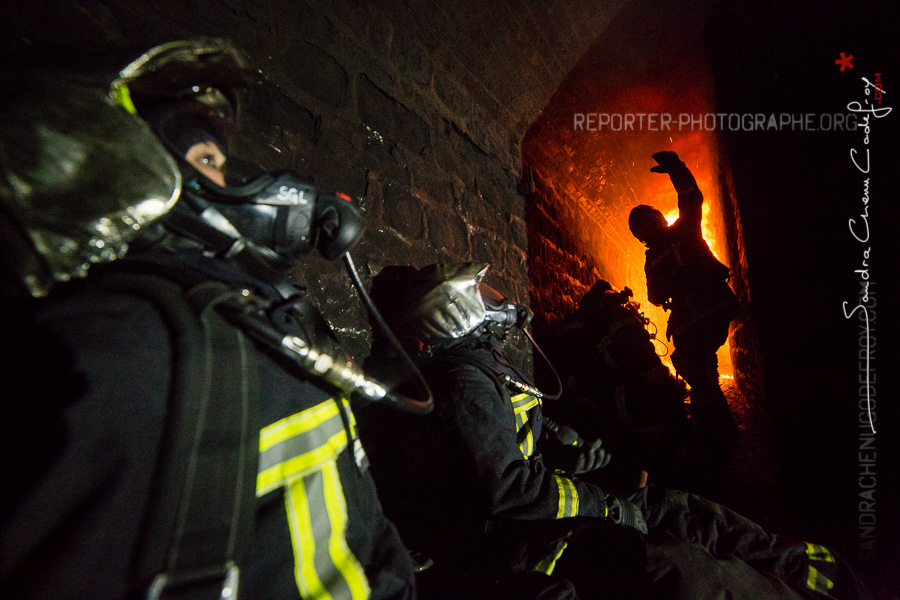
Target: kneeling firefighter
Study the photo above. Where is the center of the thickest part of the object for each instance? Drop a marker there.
(177, 421)
(615, 383)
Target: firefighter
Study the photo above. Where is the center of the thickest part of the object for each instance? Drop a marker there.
(686, 279)
(164, 434)
(494, 492)
(487, 486)
(615, 383)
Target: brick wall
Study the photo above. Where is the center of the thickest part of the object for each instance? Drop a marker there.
(417, 108)
(588, 180)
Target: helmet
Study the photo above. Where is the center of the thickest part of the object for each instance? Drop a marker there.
(87, 162)
(79, 176)
(192, 93)
(646, 222)
(446, 304)
(450, 301)
(595, 296)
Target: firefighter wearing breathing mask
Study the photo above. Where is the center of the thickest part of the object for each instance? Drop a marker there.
(487, 486)
(490, 490)
(165, 435)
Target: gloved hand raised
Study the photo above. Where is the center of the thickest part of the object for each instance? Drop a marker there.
(625, 513)
(667, 160)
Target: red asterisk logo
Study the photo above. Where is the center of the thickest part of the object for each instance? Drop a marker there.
(844, 61)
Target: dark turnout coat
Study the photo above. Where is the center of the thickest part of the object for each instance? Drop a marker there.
(681, 268)
(83, 433)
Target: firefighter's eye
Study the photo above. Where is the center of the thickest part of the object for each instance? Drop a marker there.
(209, 160)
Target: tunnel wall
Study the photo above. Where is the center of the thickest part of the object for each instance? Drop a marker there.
(587, 179)
(416, 108)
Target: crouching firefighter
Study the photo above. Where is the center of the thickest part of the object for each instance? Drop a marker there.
(486, 486)
(177, 420)
(616, 386)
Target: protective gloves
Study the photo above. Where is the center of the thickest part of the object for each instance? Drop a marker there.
(576, 455)
(626, 513)
(667, 160)
(680, 175)
(591, 457)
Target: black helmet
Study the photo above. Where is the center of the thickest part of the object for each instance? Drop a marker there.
(646, 222)
(191, 93)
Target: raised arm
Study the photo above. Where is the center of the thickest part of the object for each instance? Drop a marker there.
(690, 199)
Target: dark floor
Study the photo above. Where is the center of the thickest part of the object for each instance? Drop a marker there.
(744, 479)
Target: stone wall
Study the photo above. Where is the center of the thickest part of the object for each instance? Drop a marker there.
(416, 108)
(587, 179)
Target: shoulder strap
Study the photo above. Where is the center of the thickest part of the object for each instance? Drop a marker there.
(461, 357)
(200, 514)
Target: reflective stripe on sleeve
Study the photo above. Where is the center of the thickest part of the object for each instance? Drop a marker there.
(568, 497)
(816, 580)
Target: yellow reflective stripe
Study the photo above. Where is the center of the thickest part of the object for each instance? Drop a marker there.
(122, 96)
(568, 497)
(547, 565)
(523, 402)
(561, 488)
(275, 476)
(296, 424)
(818, 582)
(815, 579)
(524, 435)
(301, 443)
(300, 453)
(341, 556)
(820, 553)
(303, 542)
(571, 485)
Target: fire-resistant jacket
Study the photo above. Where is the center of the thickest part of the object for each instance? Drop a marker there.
(88, 434)
(680, 266)
(467, 485)
(498, 429)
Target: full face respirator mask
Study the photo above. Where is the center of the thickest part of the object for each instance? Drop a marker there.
(276, 214)
(451, 302)
(501, 313)
(192, 94)
(283, 216)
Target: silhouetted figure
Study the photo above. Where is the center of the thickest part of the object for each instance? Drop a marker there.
(616, 386)
(685, 278)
